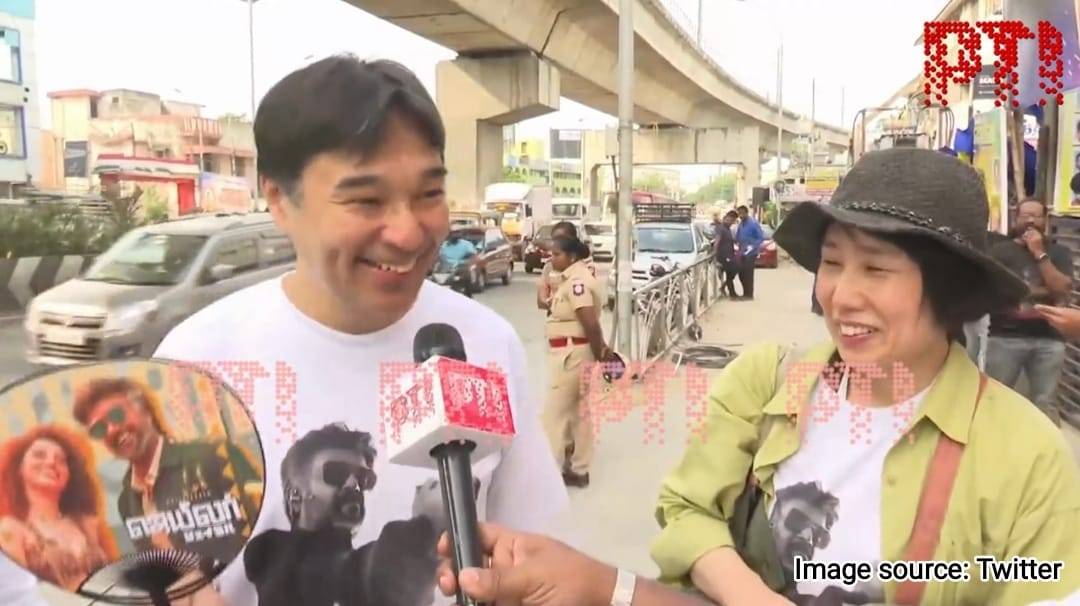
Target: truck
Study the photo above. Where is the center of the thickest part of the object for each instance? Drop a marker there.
(569, 209)
(524, 209)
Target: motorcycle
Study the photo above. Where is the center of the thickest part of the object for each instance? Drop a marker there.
(457, 276)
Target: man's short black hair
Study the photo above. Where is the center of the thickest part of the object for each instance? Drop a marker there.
(743, 209)
(1046, 208)
(1074, 184)
(338, 103)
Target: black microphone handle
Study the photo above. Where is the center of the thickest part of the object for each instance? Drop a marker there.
(459, 503)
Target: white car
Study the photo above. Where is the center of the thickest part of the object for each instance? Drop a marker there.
(603, 240)
(662, 246)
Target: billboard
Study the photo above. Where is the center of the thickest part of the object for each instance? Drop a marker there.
(221, 193)
(991, 162)
(565, 144)
(1066, 199)
(76, 158)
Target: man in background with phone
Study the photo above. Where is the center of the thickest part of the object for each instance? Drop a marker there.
(1022, 339)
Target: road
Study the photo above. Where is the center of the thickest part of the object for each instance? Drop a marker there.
(13, 364)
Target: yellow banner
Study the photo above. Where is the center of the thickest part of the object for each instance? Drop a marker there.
(991, 163)
(1066, 199)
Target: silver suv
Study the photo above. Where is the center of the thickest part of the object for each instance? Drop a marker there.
(149, 281)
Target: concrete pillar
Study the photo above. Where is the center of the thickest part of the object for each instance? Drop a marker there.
(594, 160)
(477, 97)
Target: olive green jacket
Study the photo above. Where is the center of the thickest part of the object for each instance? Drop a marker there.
(1017, 490)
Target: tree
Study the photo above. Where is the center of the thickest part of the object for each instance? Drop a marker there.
(654, 184)
(720, 188)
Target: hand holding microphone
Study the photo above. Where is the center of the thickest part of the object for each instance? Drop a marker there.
(451, 413)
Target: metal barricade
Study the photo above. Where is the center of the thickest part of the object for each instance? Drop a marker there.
(667, 308)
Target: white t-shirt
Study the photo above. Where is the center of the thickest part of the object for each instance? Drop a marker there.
(298, 376)
(17, 587)
(828, 506)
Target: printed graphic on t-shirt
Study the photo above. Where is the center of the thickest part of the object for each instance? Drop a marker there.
(827, 511)
(326, 478)
(802, 521)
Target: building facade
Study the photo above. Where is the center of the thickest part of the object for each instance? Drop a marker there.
(20, 162)
(132, 137)
(529, 161)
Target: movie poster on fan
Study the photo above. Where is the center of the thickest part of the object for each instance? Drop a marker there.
(103, 461)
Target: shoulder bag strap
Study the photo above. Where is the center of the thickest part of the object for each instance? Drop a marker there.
(934, 503)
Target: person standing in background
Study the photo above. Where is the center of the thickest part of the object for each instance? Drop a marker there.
(749, 238)
(550, 280)
(1021, 339)
(575, 341)
(724, 250)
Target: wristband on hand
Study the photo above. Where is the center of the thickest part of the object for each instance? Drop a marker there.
(625, 584)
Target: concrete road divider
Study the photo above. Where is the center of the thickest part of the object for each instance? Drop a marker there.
(23, 278)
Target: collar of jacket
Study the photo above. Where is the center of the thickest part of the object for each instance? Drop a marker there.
(948, 406)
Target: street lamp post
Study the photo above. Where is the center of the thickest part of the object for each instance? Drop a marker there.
(624, 221)
(700, 20)
(779, 113)
(251, 53)
(251, 74)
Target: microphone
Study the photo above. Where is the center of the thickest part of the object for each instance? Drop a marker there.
(438, 340)
(452, 412)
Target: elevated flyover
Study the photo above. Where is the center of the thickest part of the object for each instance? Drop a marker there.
(516, 58)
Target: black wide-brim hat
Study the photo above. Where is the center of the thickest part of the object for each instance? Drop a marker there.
(907, 191)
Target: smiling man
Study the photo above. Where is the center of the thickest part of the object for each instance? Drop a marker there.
(350, 158)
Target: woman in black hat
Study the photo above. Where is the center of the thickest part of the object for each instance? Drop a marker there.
(886, 443)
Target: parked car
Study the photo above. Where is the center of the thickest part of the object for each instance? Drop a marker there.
(660, 248)
(149, 281)
(494, 259)
(602, 238)
(538, 251)
(705, 226)
(768, 258)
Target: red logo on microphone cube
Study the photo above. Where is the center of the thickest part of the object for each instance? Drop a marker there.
(446, 400)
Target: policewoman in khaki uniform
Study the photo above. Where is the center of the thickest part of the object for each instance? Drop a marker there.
(575, 340)
(551, 279)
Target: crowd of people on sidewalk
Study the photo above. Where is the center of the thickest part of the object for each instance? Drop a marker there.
(886, 443)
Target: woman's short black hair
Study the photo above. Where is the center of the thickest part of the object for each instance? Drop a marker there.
(1074, 184)
(954, 287)
(338, 103)
(573, 247)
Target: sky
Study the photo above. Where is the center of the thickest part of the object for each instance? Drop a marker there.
(198, 50)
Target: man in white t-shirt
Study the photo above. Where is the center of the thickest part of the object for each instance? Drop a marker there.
(351, 157)
(351, 161)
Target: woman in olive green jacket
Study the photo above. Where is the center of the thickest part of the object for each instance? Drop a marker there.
(885, 445)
